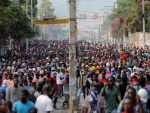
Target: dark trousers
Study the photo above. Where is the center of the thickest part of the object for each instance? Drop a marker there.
(60, 89)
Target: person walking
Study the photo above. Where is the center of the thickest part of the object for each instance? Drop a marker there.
(139, 107)
(44, 103)
(110, 92)
(66, 91)
(93, 102)
(59, 83)
(23, 105)
(12, 92)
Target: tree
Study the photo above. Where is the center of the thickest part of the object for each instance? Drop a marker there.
(21, 27)
(46, 10)
(13, 22)
(127, 17)
(23, 5)
(5, 18)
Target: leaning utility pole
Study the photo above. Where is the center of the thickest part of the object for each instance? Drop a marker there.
(72, 56)
(27, 43)
(143, 8)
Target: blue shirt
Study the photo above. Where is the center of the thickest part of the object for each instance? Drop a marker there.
(19, 107)
(2, 89)
(38, 69)
(63, 76)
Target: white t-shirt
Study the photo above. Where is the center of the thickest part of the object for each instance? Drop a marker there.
(59, 81)
(43, 104)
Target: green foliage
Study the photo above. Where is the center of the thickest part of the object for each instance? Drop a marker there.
(46, 9)
(6, 14)
(34, 3)
(13, 22)
(21, 27)
(127, 17)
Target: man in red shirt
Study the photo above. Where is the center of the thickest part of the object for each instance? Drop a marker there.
(102, 78)
(54, 92)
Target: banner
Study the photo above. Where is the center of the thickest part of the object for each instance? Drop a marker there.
(51, 21)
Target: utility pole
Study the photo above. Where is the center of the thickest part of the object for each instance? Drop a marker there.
(27, 43)
(31, 12)
(72, 56)
(143, 8)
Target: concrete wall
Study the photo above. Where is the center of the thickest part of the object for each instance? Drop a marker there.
(136, 39)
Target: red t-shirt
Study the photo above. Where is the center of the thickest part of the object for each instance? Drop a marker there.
(148, 61)
(102, 80)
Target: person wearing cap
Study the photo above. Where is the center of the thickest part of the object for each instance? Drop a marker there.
(110, 94)
(112, 73)
(143, 98)
(102, 78)
(33, 88)
(53, 71)
(92, 68)
(51, 80)
(134, 83)
(41, 72)
(41, 75)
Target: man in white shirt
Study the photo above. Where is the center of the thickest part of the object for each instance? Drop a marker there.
(44, 103)
(59, 82)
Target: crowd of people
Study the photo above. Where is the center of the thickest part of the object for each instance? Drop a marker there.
(111, 80)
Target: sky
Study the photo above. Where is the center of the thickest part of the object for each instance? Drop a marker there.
(101, 8)
(86, 6)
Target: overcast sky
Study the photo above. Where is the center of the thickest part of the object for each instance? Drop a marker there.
(87, 7)
(62, 6)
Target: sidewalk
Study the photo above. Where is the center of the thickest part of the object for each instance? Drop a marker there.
(60, 106)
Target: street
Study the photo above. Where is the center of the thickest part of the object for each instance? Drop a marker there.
(61, 110)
